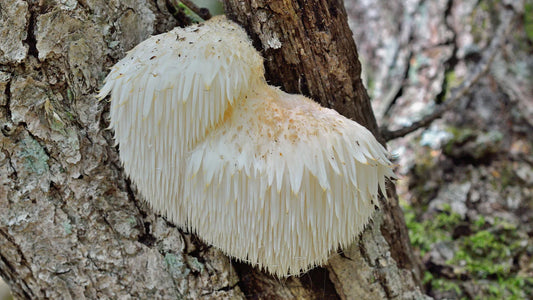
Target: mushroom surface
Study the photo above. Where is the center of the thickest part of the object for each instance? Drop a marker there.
(270, 178)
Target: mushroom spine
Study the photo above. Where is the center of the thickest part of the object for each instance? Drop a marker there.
(270, 178)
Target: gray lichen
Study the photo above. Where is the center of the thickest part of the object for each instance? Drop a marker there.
(13, 23)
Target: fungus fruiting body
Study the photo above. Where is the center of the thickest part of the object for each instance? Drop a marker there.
(270, 178)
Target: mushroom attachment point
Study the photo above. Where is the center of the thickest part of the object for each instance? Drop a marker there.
(270, 178)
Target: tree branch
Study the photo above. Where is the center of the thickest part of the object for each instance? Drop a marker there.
(200, 11)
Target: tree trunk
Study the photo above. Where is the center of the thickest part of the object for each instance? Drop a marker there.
(72, 225)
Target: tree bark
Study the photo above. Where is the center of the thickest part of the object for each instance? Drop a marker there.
(72, 225)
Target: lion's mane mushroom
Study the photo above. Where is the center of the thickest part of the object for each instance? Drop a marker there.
(270, 178)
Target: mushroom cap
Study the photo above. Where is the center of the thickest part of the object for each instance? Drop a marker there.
(282, 182)
(270, 178)
(168, 92)
(200, 70)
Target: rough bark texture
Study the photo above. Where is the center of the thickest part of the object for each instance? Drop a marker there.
(476, 162)
(71, 224)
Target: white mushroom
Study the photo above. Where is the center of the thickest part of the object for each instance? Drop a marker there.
(270, 178)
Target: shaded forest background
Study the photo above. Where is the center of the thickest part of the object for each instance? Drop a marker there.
(467, 179)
